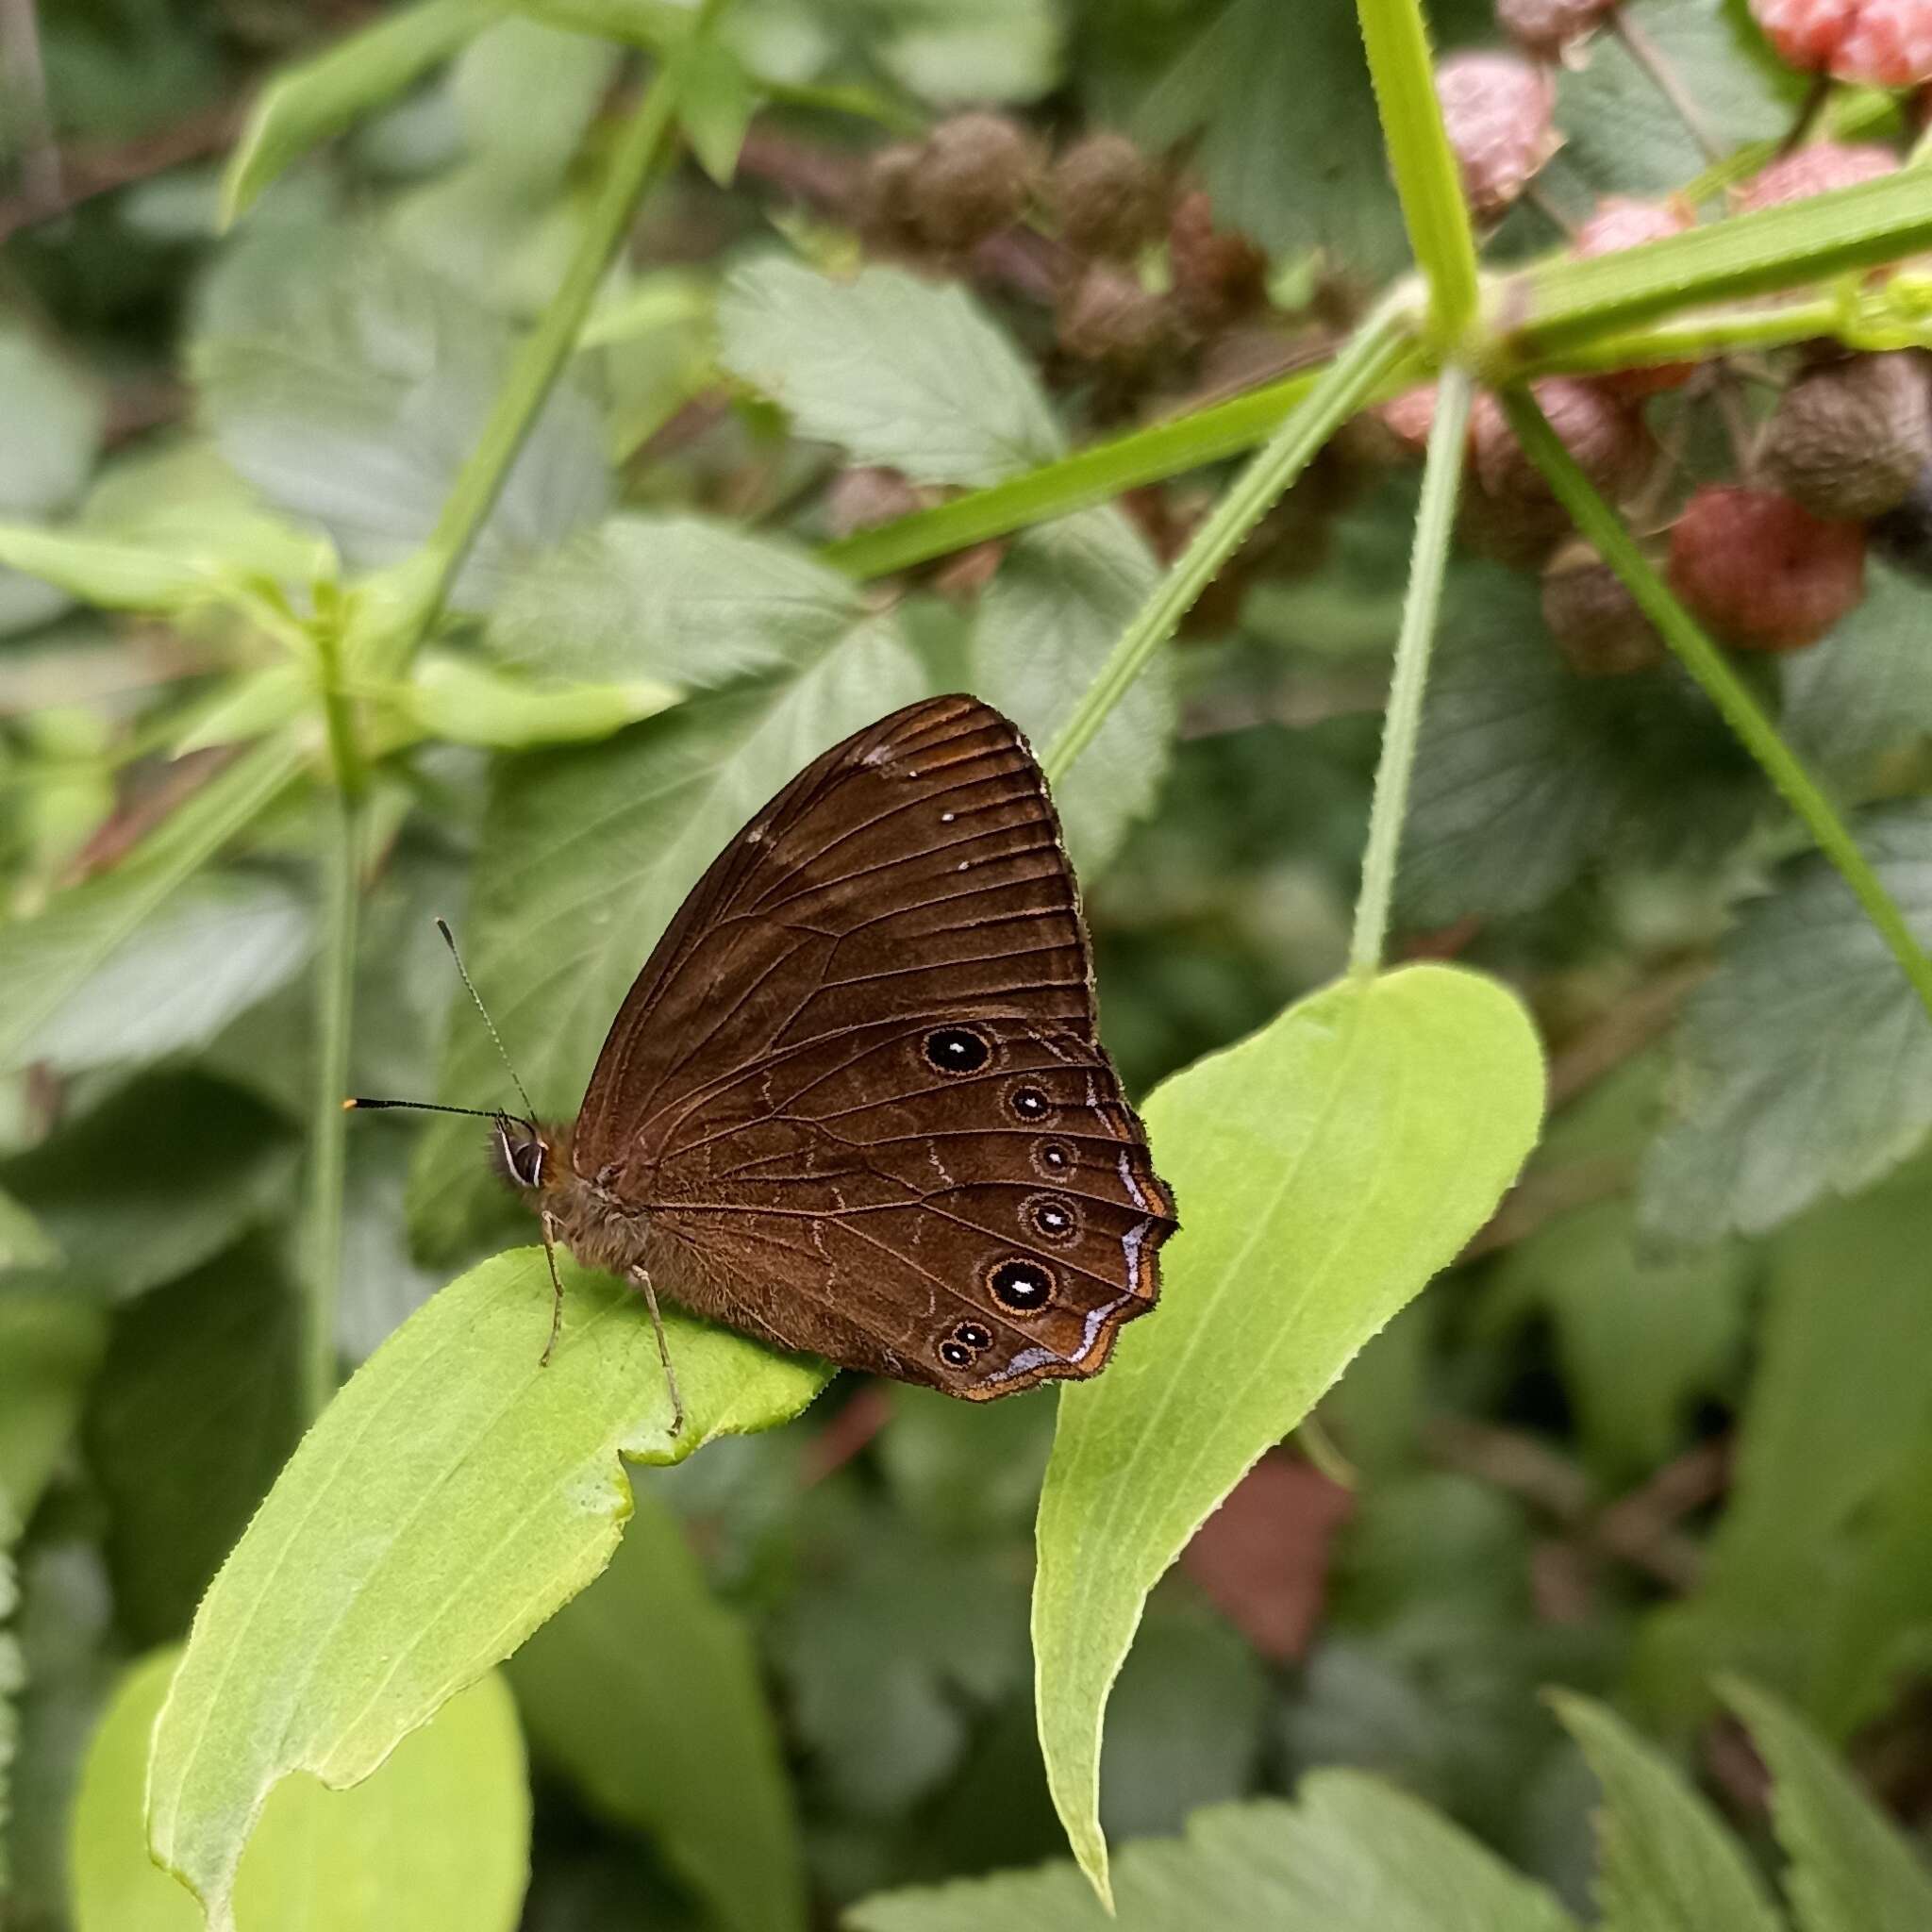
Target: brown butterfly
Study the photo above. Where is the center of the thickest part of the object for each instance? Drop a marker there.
(856, 1103)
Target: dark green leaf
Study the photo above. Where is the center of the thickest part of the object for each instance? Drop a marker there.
(670, 1735)
(1867, 688)
(55, 418)
(50, 1344)
(1805, 1062)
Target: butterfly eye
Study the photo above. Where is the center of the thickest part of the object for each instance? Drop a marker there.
(1051, 1159)
(1024, 1286)
(956, 1050)
(955, 1355)
(1051, 1218)
(972, 1334)
(1029, 1103)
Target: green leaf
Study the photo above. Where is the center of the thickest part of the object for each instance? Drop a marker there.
(45, 960)
(466, 702)
(206, 1366)
(209, 951)
(24, 1242)
(997, 50)
(349, 387)
(163, 1173)
(1045, 626)
(1526, 773)
(586, 856)
(438, 1839)
(453, 1495)
(247, 705)
(715, 101)
(1851, 1869)
(1325, 1170)
(1804, 1063)
(117, 576)
(1867, 687)
(893, 369)
(50, 1343)
(672, 1737)
(1352, 1855)
(681, 598)
(1665, 1863)
(507, 68)
(307, 103)
(54, 424)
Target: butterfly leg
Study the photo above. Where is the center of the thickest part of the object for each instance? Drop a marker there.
(556, 1290)
(643, 1281)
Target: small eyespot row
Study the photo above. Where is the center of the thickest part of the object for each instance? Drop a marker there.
(960, 1349)
(1028, 1104)
(1052, 1160)
(1052, 1217)
(956, 1355)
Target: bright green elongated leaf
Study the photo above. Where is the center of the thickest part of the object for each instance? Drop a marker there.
(673, 1735)
(1351, 1854)
(43, 960)
(246, 706)
(893, 369)
(586, 857)
(307, 103)
(453, 1496)
(117, 576)
(1046, 626)
(438, 1839)
(1325, 1169)
(1665, 1863)
(467, 703)
(715, 103)
(50, 1342)
(1851, 1868)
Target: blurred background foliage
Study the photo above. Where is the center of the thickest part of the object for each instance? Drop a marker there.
(1671, 1416)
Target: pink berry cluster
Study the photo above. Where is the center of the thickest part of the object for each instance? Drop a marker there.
(1876, 43)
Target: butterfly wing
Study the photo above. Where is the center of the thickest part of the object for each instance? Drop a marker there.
(857, 1089)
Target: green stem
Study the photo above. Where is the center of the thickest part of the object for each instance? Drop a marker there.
(1426, 177)
(1375, 350)
(1701, 659)
(646, 150)
(1402, 726)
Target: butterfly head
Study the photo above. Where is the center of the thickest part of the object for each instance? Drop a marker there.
(523, 1152)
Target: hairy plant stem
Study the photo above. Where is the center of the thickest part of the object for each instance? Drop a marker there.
(1701, 659)
(1402, 724)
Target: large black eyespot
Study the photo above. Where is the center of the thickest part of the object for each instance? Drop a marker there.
(1051, 1218)
(1023, 1286)
(956, 1050)
(1052, 1159)
(954, 1356)
(1029, 1104)
(972, 1334)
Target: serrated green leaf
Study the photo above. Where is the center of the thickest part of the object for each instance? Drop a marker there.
(586, 857)
(672, 1737)
(463, 702)
(1665, 1863)
(1851, 1869)
(454, 1494)
(50, 1343)
(1325, 1170)
(1525, 771)
(893, 369)
(1867, 687)
(43, 960)
(1804, 1063)
(684, 599)
(1352, 1855)
(307, 103)
(1047, 620)
(437, 1839)
(162, 1174)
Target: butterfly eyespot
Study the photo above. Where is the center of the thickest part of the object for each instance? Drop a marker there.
(972, 1334)
(1051, 1218)
(1024, 1286)
(1029, 1104)
(1052, 1159)
(956, 1355)
(956, 1050)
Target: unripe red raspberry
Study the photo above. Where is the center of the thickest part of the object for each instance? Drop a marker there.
(1496, 108)
(1594, 621)
(1547, 26)
(1111, 198)
(1878, 43)
(1623, 223)
(974, 177)
(1108, 317)
(1606, 437)
(1849, 439)
(1218, 274)
(867, 496)
(1764, 573)
(1814, 170)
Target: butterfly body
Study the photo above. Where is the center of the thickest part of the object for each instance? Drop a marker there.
(856, 1103)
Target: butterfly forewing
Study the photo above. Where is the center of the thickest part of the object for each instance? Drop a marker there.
(857, 1091)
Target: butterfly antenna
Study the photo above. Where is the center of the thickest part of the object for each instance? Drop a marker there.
(361, 1104)
(449, 939)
